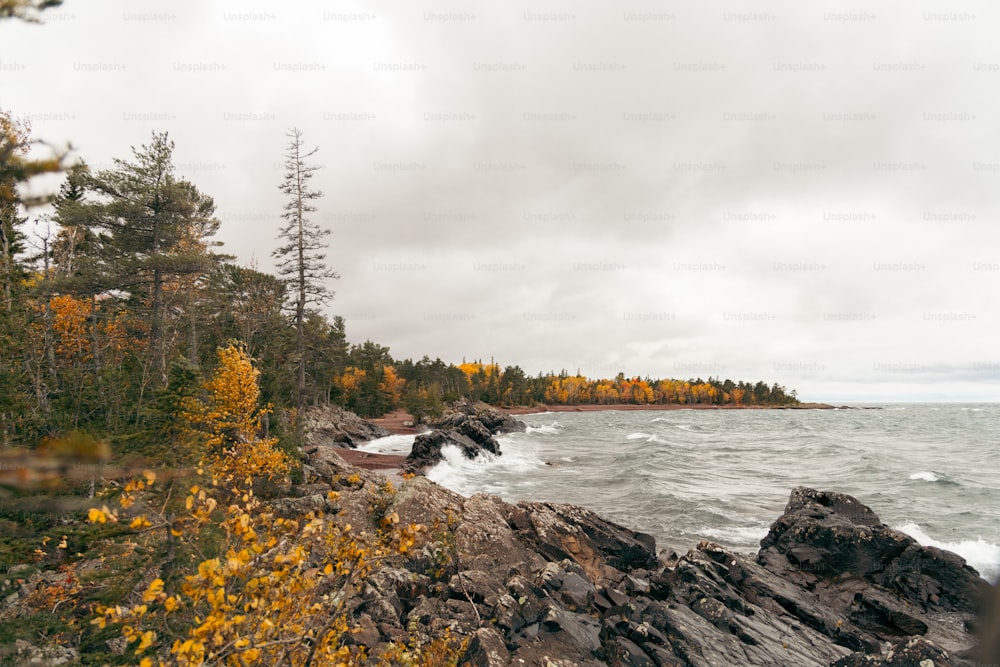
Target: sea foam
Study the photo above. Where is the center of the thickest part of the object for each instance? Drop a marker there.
(978, 553)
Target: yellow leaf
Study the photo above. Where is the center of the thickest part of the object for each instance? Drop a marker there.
(96, 516)
(148, 638)
(139, 522)
(154, 590)
(150, 477)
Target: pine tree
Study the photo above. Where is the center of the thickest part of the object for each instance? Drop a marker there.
(301, 261)
(149, 231)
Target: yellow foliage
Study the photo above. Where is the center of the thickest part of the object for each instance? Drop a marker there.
(230, 422)
(279, 591)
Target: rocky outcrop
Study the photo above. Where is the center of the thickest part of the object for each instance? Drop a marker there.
(495, 420)
(468, 426)
(550, 584)
(330, 425)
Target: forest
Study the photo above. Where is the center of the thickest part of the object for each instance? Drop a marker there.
(115, 302)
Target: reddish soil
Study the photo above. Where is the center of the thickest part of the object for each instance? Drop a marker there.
(393, 422)
(372, 461)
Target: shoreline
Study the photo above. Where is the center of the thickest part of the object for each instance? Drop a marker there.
(592, 407)
(395, 422)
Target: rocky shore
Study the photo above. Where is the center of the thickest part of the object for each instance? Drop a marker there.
(556, 585)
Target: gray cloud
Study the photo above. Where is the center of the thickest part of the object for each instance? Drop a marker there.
(798, 193)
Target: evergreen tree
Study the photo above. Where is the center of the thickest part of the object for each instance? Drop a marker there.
(300, 259)
(150, 232)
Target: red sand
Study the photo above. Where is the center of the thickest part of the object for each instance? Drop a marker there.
(372, 461)
(393, 422)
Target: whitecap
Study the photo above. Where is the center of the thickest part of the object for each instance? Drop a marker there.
(740, 536)
(925, 475)
(483, 473)
(546, 429)
(638, 436)
(980, 554)
(391, 444)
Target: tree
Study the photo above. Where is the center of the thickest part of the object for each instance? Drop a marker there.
(301, 261)
(231, 422)
(151, 230)
(14, 142)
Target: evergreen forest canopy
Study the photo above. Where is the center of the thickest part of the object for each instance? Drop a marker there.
(114, 307)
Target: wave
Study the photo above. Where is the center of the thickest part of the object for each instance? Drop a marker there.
(487, 472)
(980, 554)
(391, 444)
(928, 476)
(546, 429)
(735, 536)
(647, 437)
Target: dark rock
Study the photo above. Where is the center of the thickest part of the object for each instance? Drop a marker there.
(487, 649)
(494, 419)
(566, 531)
(576, 591)
(478, 433)
(426, 450)
(624, 653)
(330, 425)
(833, 536)
(580, 629)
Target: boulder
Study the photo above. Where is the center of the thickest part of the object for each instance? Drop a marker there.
(330, 425)
(495, 420)
(426, 450)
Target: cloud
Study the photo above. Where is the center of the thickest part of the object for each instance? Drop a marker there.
(798, 193)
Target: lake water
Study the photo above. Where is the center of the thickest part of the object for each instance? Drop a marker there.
(930, 470)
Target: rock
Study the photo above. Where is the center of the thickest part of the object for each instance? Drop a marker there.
(915, 652)
(330, 425)
(833, 536)
(487, 649)
(53, 654)
(466, 425)
(565, 531)
(426, 450)
(495, 420)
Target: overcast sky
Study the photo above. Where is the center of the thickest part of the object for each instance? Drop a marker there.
(799, 192)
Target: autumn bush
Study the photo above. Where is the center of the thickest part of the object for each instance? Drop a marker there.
(273, 590)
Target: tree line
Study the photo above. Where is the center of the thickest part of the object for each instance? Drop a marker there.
(113, 306)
